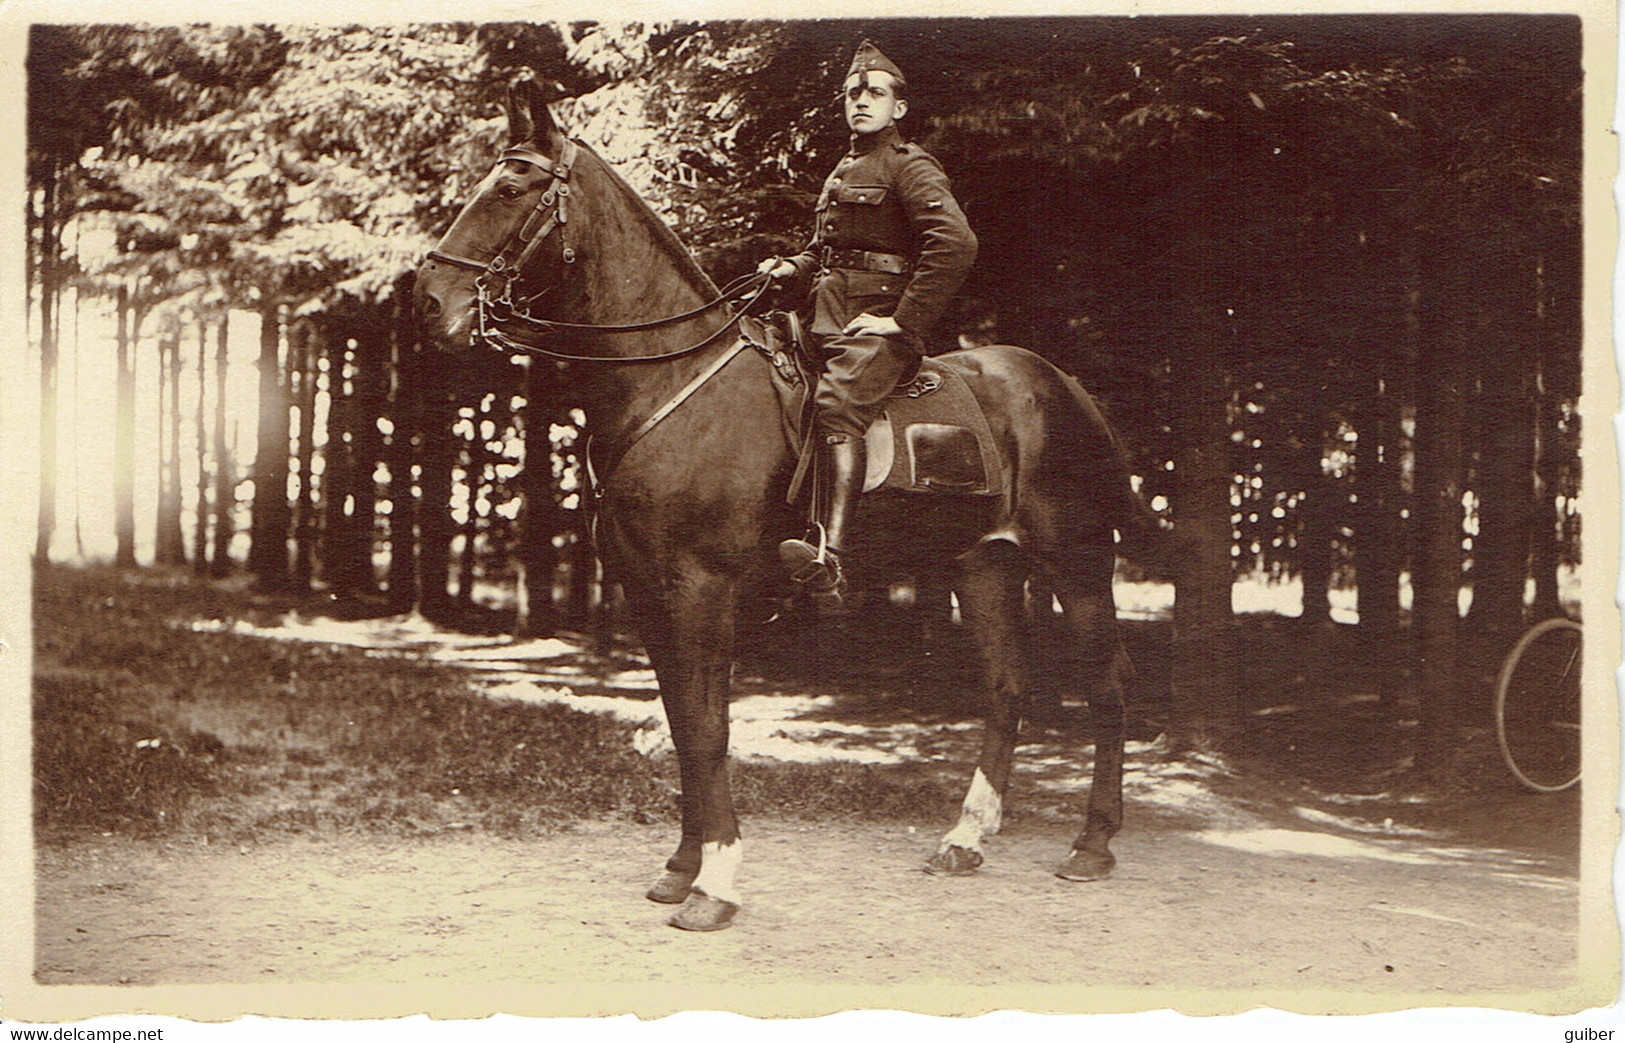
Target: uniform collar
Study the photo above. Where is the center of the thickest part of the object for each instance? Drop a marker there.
(863, 144)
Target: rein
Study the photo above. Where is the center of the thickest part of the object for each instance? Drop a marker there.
(491, 319)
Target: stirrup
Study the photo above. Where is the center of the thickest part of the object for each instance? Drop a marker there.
(818, 568)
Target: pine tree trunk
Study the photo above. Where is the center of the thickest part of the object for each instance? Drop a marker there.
(1557, 387)
(404, 409)
(33, 259)
(129, 327)
(78, 513)
(1546, 525)
(475, 472)
(171, 542)
(1379, 546)
(175, 369)
(371, 388)
(200, 535)
(435, 521)
(225, 484)
(268, 525)
(1505, 480)
(583, 581)
(539, 521)
(1441, 415)
(50, 248)
(465, 563)
(1204, 704)
(1505, 487)
(337, 554)
(304, 348)
(1318, 514)
(162, 554)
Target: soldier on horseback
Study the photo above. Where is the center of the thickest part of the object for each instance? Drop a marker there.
(683, 512)
(889, 249)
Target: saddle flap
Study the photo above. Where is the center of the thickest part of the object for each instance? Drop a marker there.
(944, 456)
(879, 455)
(943, 441)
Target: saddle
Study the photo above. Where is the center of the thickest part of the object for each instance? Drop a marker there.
(931, 436)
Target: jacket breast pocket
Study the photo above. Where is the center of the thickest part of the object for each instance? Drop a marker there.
(861, 195)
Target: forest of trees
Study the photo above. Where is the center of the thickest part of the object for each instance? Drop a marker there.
(1324, 274)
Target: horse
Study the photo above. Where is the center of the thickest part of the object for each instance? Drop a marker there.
(690, 464)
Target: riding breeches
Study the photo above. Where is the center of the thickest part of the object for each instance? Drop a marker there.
(859, 373)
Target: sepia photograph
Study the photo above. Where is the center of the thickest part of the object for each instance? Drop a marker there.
(1069, 512)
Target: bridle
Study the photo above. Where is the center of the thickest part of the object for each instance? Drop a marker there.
(507, 325)
(536, 227)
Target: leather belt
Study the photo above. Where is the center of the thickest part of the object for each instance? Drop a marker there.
(866, 261)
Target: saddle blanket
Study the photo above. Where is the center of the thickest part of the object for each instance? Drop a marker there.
(933, 438)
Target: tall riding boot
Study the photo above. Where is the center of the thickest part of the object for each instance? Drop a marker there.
(843, 460)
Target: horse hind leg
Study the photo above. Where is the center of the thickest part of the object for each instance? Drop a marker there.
(992, 602)
(1090, 618)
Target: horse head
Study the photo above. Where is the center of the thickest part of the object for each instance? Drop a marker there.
(507, 247)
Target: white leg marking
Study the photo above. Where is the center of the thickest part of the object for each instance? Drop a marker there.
(718, 864)
(978, 818)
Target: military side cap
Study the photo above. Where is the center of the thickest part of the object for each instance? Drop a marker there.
(869, 59)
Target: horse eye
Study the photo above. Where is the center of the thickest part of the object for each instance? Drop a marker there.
(509, 191)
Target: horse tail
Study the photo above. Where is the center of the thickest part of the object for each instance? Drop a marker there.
(1143, 537)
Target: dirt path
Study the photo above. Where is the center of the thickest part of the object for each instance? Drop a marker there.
(1250, 909)
(1242, 882)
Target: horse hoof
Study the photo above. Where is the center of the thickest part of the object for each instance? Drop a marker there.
(701, 912)
(672, 889)
(1087, 865)
(954, 860)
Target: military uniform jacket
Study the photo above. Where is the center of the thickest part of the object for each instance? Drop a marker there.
(887, 196)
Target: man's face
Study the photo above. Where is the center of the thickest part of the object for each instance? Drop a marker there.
(872, 103)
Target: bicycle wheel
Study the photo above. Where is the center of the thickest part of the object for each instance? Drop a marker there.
(1537, 706)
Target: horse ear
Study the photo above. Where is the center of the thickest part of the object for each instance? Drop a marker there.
(529, 111)
(521, 127)
(541, 112)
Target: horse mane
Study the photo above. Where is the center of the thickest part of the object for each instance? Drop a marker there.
(659, 230)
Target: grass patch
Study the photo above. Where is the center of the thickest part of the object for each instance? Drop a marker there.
(144, 725)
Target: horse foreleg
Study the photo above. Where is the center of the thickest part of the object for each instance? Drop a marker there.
(694, 687)
(991, 601)
(654, 628)
(1092, 620)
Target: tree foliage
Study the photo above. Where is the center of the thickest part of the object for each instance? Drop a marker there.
(1267, 243)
